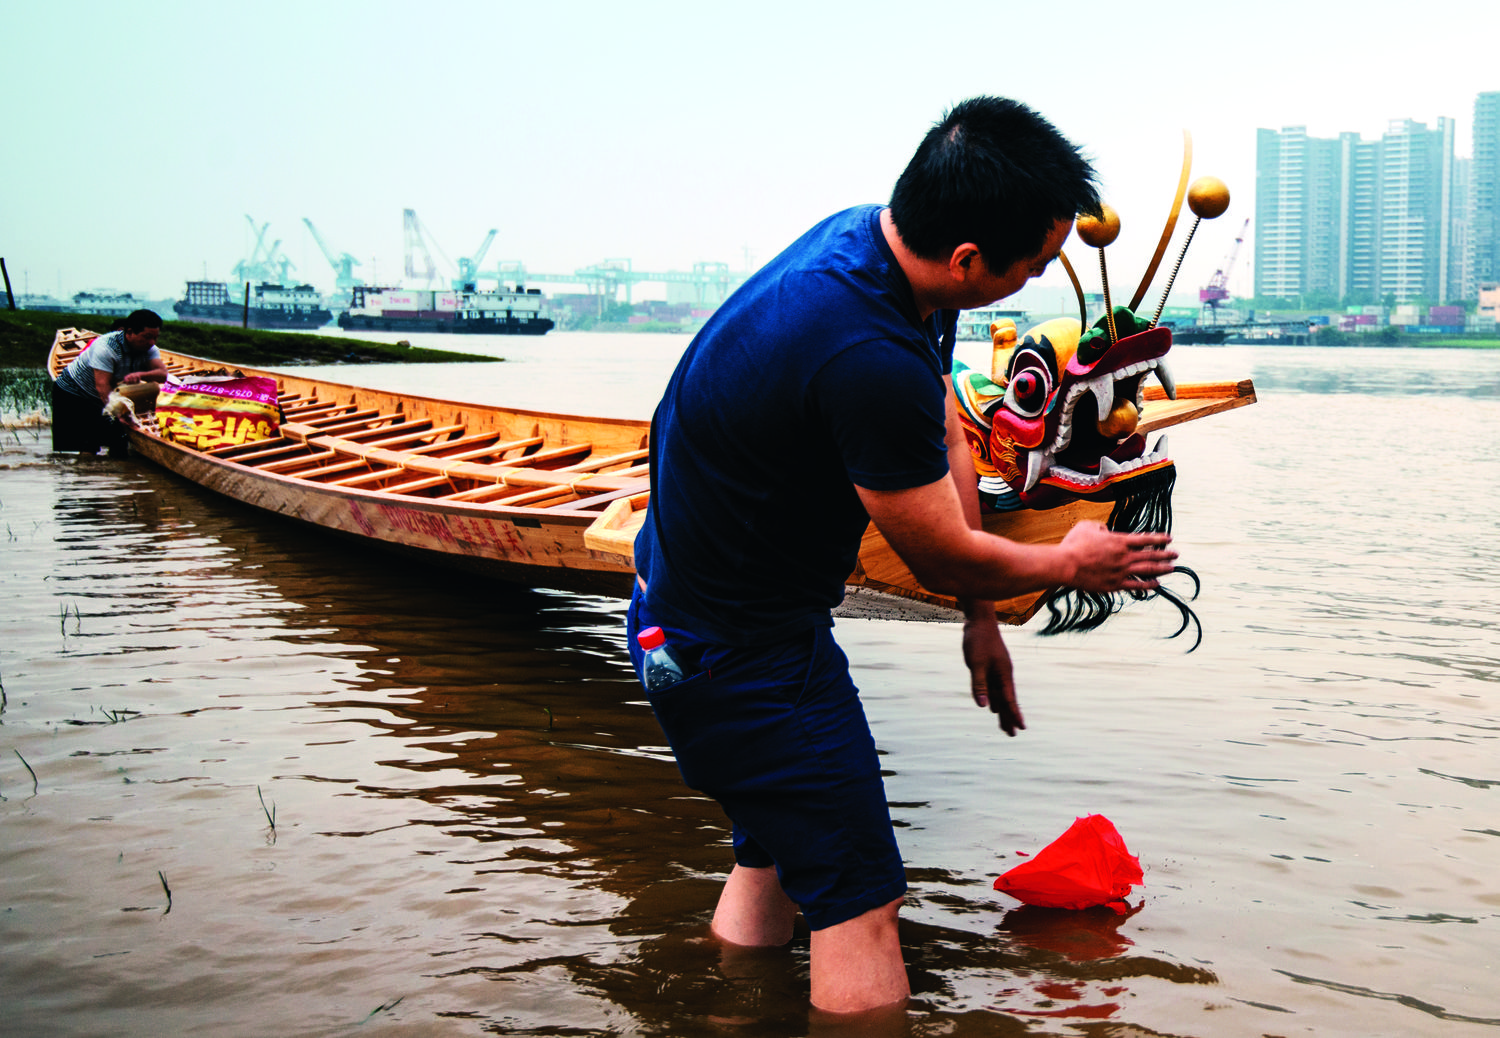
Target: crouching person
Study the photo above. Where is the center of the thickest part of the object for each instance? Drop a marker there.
(123, 357)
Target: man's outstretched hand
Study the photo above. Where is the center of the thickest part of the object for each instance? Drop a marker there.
(1107, 561)
(991, 678)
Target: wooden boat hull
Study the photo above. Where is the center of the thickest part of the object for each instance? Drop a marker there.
(515, 548)
(527, 497)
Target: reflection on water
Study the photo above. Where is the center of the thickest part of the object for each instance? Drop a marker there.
(477, 829)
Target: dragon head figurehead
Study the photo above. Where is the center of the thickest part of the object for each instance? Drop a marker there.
(1057, 418)
(1057, 421)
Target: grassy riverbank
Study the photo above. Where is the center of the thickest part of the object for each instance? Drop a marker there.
(1452, 343)
(26, 336)
(23, 392)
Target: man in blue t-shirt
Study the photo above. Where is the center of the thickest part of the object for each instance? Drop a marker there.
(818, 399)
(119, 358)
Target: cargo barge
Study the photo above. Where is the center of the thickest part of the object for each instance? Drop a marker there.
(270, 306)
(518, 311)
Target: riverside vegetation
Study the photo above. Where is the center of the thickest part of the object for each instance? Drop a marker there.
(23, 391)
(26, 337)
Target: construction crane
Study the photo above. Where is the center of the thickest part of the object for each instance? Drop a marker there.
(278, 265)
(263, 263)
(1217, 289)
(468, 266)
(252, 268)
(415, 240)
(343, 264)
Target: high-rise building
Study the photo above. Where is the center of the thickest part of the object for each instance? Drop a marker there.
(1359, 255)
(1484, 192)
(1279, 226)
(1461, 283)
(1297, 214)
(1356, 220)
(1416, 180)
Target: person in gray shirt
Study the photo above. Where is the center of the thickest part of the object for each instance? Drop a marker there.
(122, 357)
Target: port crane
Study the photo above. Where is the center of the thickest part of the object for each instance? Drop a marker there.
(263, 263)
(343, 264)
(414, 239)
(1217, 289)
(417, 237)
(468, 266)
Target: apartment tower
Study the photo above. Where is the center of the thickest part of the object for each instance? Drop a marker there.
(1484, 189)
(1355, 220)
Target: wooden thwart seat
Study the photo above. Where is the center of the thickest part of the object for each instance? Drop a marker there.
(489, 439)
(288, 466)
(342, 415)
(313, 409)
(304, 429)
(595, 464)
(602, 499)
(419, 434)
(412, 486)
(240, 451)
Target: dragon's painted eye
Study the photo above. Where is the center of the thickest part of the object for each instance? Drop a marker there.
(1029, 387)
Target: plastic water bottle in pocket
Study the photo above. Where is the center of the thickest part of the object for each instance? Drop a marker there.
(659, 670)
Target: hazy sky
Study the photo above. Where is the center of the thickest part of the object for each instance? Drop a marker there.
(138, 135)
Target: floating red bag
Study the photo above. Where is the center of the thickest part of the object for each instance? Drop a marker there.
(1086, 866)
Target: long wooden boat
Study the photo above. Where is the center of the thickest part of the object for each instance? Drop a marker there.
(530, 497)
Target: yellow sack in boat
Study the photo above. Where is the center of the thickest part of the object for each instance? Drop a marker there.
(209, 412)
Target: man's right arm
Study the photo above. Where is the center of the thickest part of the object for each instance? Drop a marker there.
(926, 527)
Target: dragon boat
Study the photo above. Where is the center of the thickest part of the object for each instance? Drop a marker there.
(555, 500)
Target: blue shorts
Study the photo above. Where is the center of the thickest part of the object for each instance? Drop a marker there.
(776, 734)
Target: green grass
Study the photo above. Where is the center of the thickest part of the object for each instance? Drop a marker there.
(24, 391)
(1467, 344)
(26, 336)
(1420, 342)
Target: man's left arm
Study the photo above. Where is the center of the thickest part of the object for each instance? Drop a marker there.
(157, 372)
(991, 677)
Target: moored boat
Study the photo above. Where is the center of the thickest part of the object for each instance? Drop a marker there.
(544, 499)
(517, 311)
(269, 306)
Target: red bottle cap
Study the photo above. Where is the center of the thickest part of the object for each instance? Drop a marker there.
(650, 638)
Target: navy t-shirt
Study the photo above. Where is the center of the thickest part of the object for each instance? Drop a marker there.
(815, 376)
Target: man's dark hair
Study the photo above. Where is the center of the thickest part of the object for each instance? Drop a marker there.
(141, 319)
(995, 173)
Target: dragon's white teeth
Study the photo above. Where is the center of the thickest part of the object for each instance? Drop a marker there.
(1168, 383)
(1160, 450)
(1103, 391)
(1063, 438)
(1037, 465)
(1108, 468)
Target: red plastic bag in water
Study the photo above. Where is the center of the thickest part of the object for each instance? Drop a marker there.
(1087, 865)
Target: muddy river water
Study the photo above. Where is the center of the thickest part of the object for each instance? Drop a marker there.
(256, 782)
